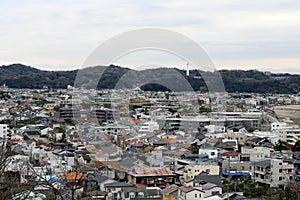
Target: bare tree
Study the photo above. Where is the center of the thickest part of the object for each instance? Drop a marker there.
(10, 177)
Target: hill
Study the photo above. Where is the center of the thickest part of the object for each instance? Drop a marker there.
(22, 76)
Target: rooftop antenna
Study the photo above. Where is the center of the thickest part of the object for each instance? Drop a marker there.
(187, 69)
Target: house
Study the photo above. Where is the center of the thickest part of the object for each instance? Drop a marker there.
(190, 193)
(97, 180)
(130, 193)
(115, 190)
(190, 171)
(97, 195)
(152, 177)
(210, 152)
(74, 179)
(231, 155)
(228, 145)
(240, 136)
(169, 193)
(210, 184)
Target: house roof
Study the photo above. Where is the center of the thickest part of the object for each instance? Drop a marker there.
(170, 139)
(236, 197)
(113, 164)
(74, 176)
(207, 178)
(188, 189)
(230, 153)
(118, 184)
(100, 178)
(263, 163)
(169, 189)
(152, 171)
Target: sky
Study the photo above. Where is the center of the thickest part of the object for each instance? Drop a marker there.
(60, 35)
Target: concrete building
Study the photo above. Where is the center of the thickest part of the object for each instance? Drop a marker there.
(240, 137)
(149, 127)
(4, 130)
(190, 171)
(273, 172)
(289, 135)
(107, 115)
(236, 166)
(255, 154)
(211, 152)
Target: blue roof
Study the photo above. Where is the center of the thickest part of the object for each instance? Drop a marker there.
(235, 174)
(55, 179)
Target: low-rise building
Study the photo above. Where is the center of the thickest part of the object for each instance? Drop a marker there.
(273, 172)
(151, 177)
(211, 152)
(255, 154)
(191, 171)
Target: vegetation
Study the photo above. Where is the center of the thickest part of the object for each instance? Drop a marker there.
(280, 146)
(21, 76)
(251, 189)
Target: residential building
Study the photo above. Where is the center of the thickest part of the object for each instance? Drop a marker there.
(190, 171)
(211, 152)
(255, 154)
(151, 177)
(273, 172)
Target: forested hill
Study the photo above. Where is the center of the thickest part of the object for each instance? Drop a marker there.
(22, 76)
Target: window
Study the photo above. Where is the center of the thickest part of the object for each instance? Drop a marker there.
(280, 178)
(280, 163)
(196, 195)
(280, 170)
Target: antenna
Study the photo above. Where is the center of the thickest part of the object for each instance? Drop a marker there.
(187, 69)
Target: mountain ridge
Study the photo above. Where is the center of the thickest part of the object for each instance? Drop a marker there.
(252, 81)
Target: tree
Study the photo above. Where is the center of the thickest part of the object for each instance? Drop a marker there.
(281, 146)
(297, 146)
(10, 176)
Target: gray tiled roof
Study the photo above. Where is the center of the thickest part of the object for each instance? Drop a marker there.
(263, 163)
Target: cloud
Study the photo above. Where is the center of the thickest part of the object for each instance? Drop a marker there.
(63, 33)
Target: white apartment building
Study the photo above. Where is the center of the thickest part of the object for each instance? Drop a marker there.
(149, 127)
(255, 154)
(273, 172)
(215, 129)
(211, 152)
(289, 135)
(286, 133)
(278, 125)
(4, 130)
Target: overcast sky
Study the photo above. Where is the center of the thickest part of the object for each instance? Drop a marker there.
(236, 34)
